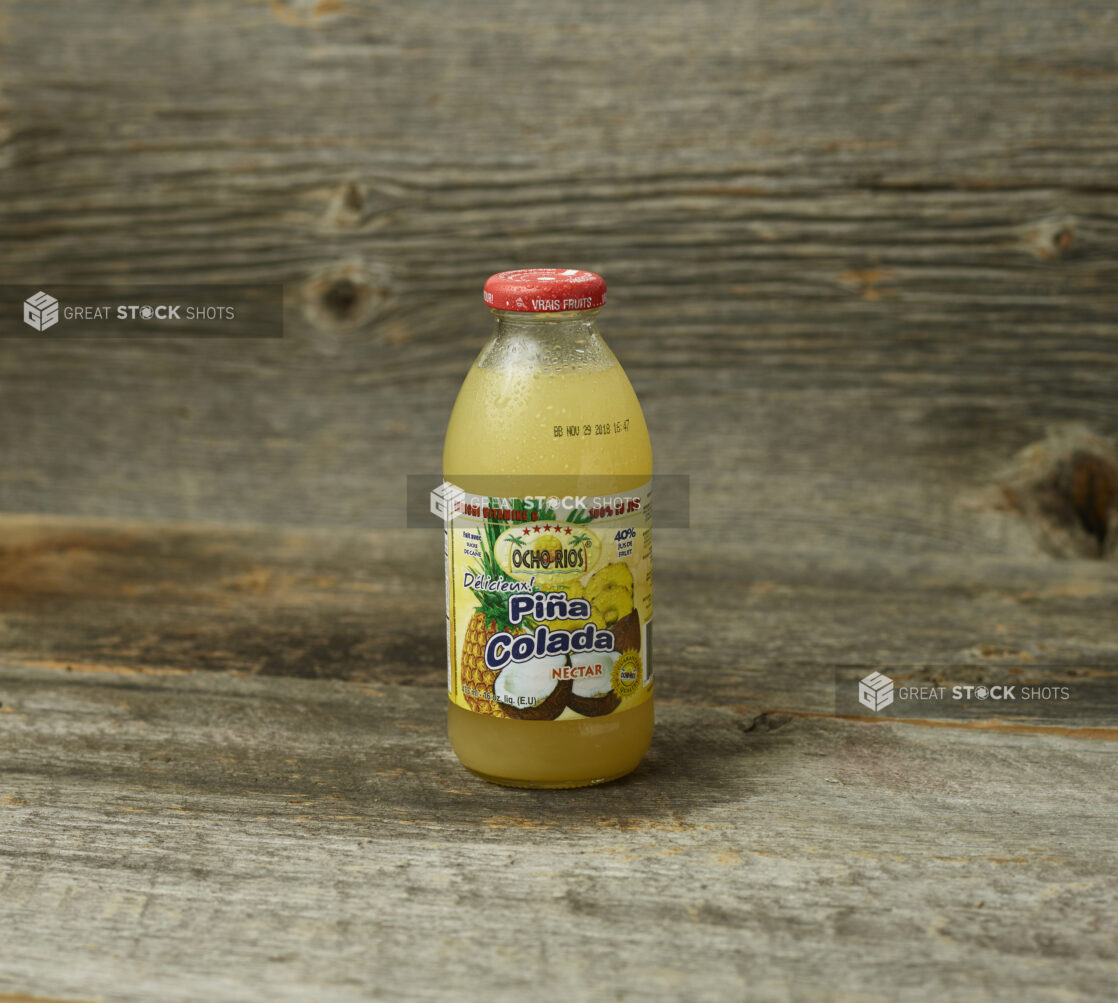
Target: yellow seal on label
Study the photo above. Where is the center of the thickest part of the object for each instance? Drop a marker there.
(627, 671)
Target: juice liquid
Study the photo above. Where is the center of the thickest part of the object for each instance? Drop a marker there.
(540, 379)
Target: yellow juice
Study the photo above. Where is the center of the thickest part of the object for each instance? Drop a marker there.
(547, 410)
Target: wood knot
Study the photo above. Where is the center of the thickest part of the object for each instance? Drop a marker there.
(1051, 238)
(766, 721)
(1088, 487)
(1066, 487)
(346, 297)
(349, 206)
(865, 281)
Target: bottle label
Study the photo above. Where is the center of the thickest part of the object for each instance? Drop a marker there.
(549, 603)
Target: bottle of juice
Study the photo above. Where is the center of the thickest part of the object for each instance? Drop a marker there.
(547, 468)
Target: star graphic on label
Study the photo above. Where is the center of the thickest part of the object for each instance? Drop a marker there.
(567, 531)
(536, 528)
(528, 532)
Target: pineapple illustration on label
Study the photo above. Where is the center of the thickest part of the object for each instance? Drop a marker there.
(490, 615)
(549, 608)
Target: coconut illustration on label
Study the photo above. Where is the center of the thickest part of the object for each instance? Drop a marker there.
(627, 633)
(535, 690)
(592, 692)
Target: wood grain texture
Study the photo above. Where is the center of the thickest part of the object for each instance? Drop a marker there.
(735, 626)
(860, 256)
(198, 835)
(862, 261)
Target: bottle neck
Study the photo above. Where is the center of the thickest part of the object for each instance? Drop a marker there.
(550, 325)
(548, 340)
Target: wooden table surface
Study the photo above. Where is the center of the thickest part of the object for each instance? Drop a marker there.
(225, 775)
(862, 267)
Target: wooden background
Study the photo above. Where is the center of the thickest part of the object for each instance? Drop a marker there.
(859, 255)
(863, 269)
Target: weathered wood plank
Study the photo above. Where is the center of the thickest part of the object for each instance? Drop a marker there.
(860, 258)
(851, 281)
(736, 624)
(279, 839)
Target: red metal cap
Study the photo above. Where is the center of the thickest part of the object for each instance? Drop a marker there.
(544, 290)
